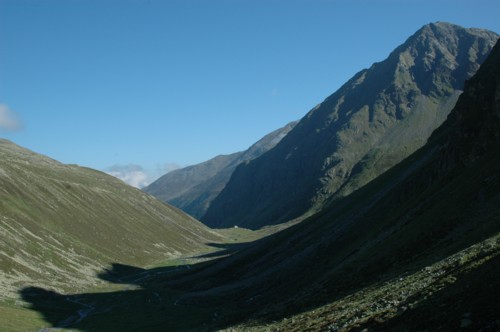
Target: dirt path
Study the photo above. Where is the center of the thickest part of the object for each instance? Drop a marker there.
(80, 314)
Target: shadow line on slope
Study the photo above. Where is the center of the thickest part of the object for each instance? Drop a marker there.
(225, 249)
(140, 300)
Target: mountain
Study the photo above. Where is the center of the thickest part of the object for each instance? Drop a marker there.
(61, 224)
(416, 249)
(193, 188)
(371, 123)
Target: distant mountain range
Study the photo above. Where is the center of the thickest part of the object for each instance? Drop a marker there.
(371, 123)
(61, 224)
(193, 188)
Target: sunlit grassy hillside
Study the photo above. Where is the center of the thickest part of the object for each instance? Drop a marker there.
(60, 224)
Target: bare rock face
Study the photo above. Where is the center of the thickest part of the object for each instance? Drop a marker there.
(371, 123)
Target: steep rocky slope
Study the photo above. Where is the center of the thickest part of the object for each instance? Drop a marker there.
(416, 249)
(376, 119)
(193, 188)
(60, 224)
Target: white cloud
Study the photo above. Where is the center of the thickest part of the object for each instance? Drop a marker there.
(137, 176)
(132, 174)
(9, 120)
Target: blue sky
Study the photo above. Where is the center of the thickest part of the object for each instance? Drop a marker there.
(104, 83)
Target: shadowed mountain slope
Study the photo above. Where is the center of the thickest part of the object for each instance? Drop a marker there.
(193, 188)
(371, 123)
(424, 235)
(59, 224)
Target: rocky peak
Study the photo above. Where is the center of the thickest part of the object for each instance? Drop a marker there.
(372, 122)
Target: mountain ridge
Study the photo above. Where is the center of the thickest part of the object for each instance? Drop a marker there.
(347, 140)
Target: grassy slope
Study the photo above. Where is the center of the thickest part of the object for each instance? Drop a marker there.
(128, 299)
(61, 224)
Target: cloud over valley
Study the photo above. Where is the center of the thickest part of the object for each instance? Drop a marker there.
(136, 176)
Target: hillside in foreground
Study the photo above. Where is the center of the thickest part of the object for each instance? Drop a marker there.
(62, 224)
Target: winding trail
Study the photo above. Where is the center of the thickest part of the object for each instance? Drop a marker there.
(81, 314)
(88, 308)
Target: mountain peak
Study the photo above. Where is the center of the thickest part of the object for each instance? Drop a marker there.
(349, 139)
(440, 29)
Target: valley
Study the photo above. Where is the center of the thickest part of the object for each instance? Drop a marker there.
(122, 297)
(378, 211)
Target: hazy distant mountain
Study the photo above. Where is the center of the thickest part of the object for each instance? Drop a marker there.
(193, 188)
(61, 224)
(416, 249)
(372, 122)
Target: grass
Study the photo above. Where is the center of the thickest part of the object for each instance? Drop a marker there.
(61, 225)
(128, 298)
(110, 300)
(16, 318)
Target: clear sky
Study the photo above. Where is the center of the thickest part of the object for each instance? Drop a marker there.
(109, 83)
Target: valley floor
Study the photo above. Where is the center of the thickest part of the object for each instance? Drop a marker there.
(135, 299)
(125, 295)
